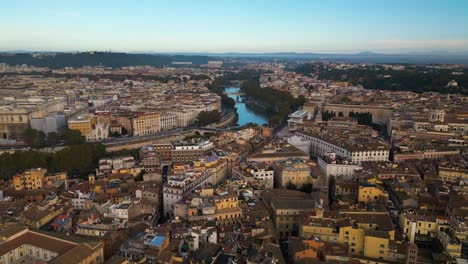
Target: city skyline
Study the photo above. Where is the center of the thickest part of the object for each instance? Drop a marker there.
(244, 27)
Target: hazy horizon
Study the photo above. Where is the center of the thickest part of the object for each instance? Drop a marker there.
(330, 27)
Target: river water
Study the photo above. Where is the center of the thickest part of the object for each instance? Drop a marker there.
(246, 114)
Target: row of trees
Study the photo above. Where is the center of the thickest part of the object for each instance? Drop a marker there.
(362, 118)
(279, 103)
(217, 86)
(75, 160)
(329, 115)
(38, 139)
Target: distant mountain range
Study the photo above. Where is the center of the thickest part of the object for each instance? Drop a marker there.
(119, 59)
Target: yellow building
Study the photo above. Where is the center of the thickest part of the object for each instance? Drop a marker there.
(450, 243)
(29, 180)
(295, 172)
(286, 208)
(416, 227)
(371, 193)
(452, 174)
(367, 234)
(83, 124)
(50, 178)
(146, 123)
(217, 167)
(354, 237)
(227, 209)
(459, 229)
(323, 229)
(37, 217)
(376, 244)
(131, 171)
(287, 215)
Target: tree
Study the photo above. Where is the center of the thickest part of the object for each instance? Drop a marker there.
(307, 188)
(75, 160)
(328, 115)
(34, 138)
(29, 136)
(73, 137)
(208, 117)
(53, 138)
(274, 121)
(207, 135)
(291, 186)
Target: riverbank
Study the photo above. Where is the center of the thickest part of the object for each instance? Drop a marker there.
(245, 112)
(226, 121)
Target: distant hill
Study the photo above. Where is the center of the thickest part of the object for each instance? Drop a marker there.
(107, 59)
(366, 53)
(55, 60)
(361, 57)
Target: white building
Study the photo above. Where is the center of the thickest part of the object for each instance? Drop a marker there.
(168, 121)
(185, 117)
(200, 236)
(178, 186)
(81, 201)
(100, 132)
(297, 118)
(51, 123)
(127, 162)
(264, 174)
(99, 101)
(300, 143)
(373, 150)
(119, 211)
(331, 165)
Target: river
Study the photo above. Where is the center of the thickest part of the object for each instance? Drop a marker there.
(246, 114)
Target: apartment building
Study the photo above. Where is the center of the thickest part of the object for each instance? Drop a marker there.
(178, 186)
(184, 151)
(333, 165)
(84, 124)
(286, 207)
(145, 123)
(216, 165)
(168, 121)
(29, 180)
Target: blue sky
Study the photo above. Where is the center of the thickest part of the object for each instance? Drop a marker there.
(337, 26)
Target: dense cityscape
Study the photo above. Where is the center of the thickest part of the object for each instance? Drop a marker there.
(234, 132)
(142, 164)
